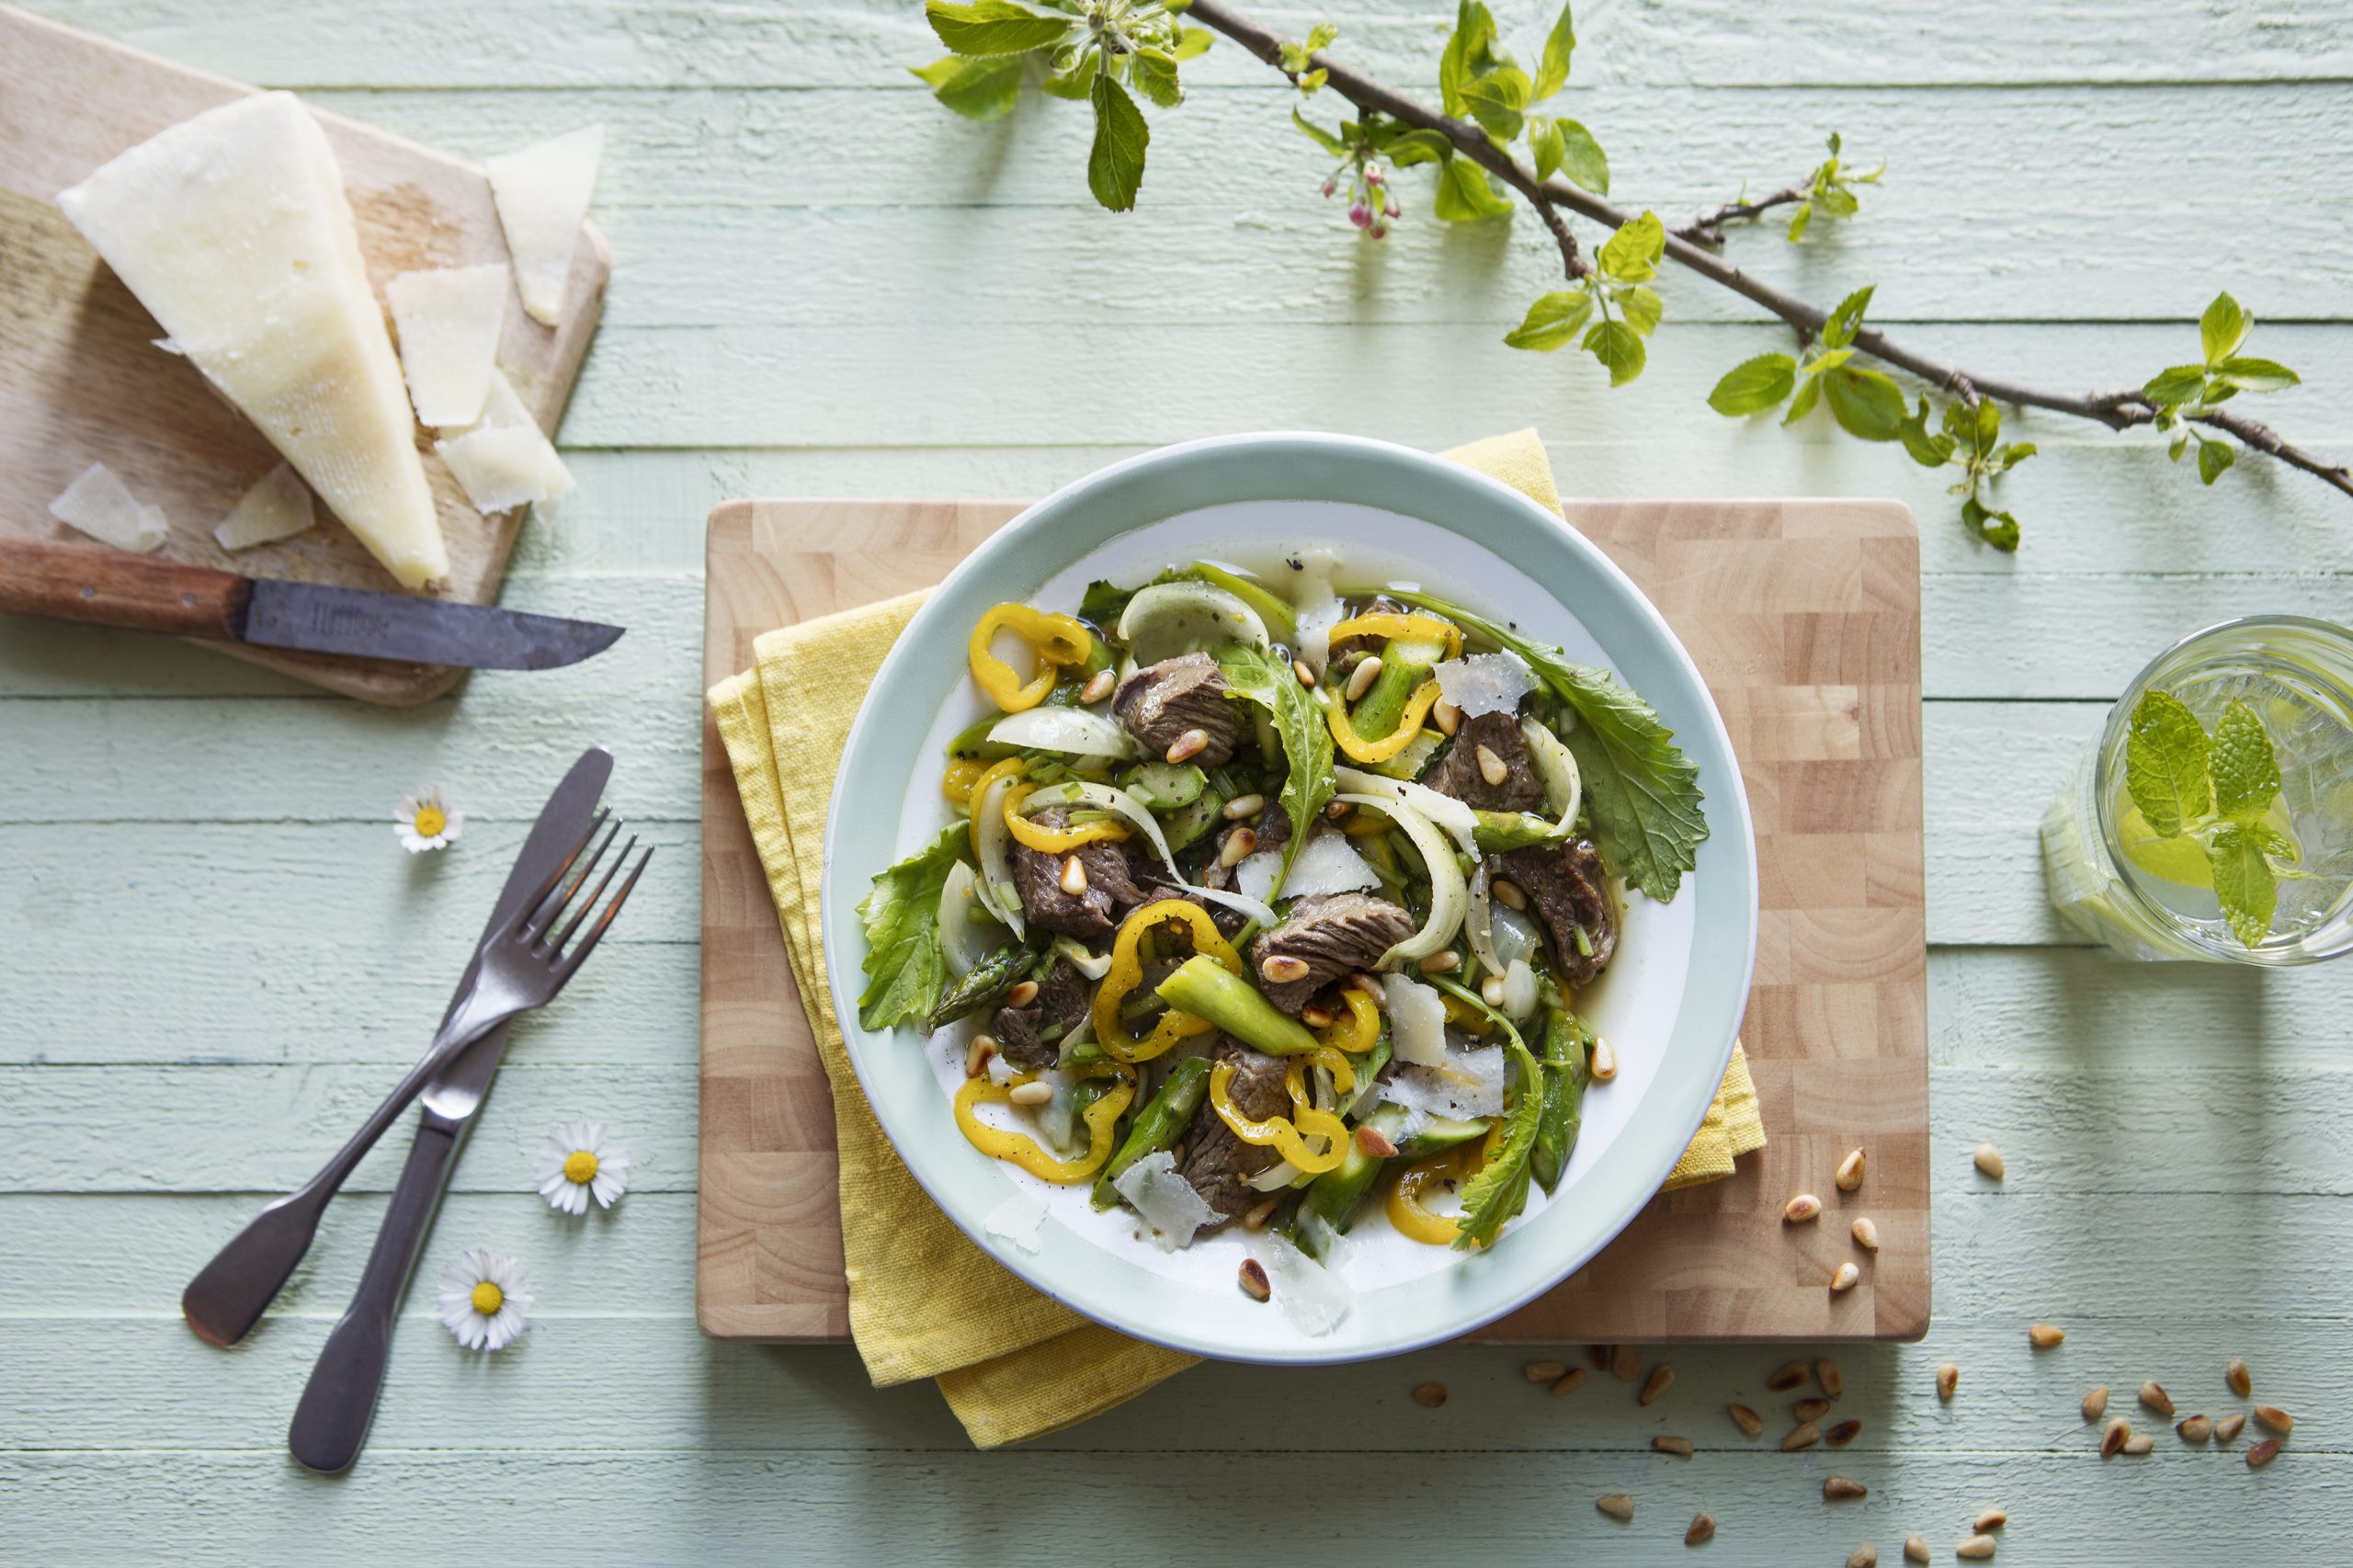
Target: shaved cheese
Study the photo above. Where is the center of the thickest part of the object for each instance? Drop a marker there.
(279, 508)
(543, 194)
(1017, 1219)
(1328, 864)
(101, 506)
(450, 321)
(504, 459)
(1311, 1296)
(1416, 1020)
(1486, 683)
(1166, 1200)
(1254, 877)
(1464, 1084)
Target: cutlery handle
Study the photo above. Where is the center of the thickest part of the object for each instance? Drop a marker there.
(114, 587)
(330, 1425)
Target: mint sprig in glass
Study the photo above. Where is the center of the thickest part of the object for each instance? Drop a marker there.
(2218, 792)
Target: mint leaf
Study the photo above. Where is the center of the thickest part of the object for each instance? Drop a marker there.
(1845, 321)
(2214, 459)
(975, 88)
(1552, 321)
(1630, 256)
(1619, 347)
(2165, 759)
(993, 26)
(2245, 772)
(2244, 883)
(2221, 329)
(1464, 194)
(2256, 375)
(1115, 163)
(1866, 403)
(1582, 158)
(903, 964)
(1755, 385)
(1267, 681)
(1552, 72)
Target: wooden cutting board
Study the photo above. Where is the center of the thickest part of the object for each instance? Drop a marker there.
(1805, 615)
(81, 380)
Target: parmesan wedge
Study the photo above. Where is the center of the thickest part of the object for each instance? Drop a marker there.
(543, 194)
(232, 230)
(101, 506)
(279, 508)
(449, 321)
(504, 459)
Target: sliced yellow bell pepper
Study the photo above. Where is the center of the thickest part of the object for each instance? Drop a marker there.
(1057, 640)
(1127, 973)
(1343, 1070)
(957, 782)
(1055, 840)
(1287, 1136)
(1020, 1149)
(1389, 628)
(1409, 724)
(1356, 1033)
(1010, 768)
(1415, 1219)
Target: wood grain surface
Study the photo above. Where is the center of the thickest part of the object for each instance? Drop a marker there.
(1804, 617)
(82, 382)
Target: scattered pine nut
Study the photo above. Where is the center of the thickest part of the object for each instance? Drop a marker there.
(1255, 1220)
(1976, 1549)
(2096, 1403)
(1441, 961)
(1988, 1160)
(1850, 1172)
(1662, 1379)
(2138, 1443)
(1074, 876)
(1570, 1381)
(1491, 989)
(1315, 1018)
(1827, 1373)
(1990, 1520)
(1098, 687)
(1022, 994)
(1339, 811)
(1805, 1436)
(1789, 1377)
(1366, 983)
(1239, 846)
(1034, 1093)
(2236, 1374)
(1360, 679)
(1508, 892)
(1624, 1365)
(1187, 746)
(1804, 1207)
(1491, 766)
(1838, 1488)
(1916, 1549)
(1865, 1233)
(2196, 1429)
(1809, 1409)
(1605, 1059)
(1243, 806)
(2228, 1428)
(1375, 1142)
(1543, 1371)
(1745, 1419)
(1253, 1279)
(1306, 675)
(2262, 1453)
(1448, 717)
(1845, 1279)
(1618, 1506)
(1844, 1433)
(1947, 1379)
(1429, 1396)
(2043, 1335)
(1702, 1528)
(2118, 1433)
(2156, 1399)
(1863, 1557)
(977, 1054)
(1282, 969)
(2271, 1418)
(1679, 1447)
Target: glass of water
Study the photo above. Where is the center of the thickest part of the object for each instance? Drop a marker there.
(2214, 819)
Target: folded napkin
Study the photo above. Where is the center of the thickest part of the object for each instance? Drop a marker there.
(924, 1301)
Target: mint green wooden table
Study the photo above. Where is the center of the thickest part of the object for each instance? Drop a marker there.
(215, 955)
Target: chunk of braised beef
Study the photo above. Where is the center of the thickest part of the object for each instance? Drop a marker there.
(1032, 1037)
(1331, 935)
(1160, 702)
(1269, 830)
(1569, 888)
(1111, 888)
(1462, 773)
(1217, 1162)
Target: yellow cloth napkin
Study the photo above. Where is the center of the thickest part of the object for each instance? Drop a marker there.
(925, 1301)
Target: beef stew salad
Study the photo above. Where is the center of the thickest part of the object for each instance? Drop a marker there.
(1266, 901)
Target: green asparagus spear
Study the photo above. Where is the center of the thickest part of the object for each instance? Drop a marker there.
(985, 986)
(1405, 664)
(1566, 1040)
(1201, 987)
(1161, 1122)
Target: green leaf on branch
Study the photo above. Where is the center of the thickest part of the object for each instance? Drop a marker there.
(994, 26)
(1839, 329)
(1640, 307)
(2214, 459)
(1808, 394)
(1115, 163)
(1582, 158)
(1553, 73)
(2181, 383)
(1865, 402)
(1755, 385)
(977, 88)
(1154, 75)
(2221, 329)
(1630, 256)
(1497, 101)
(2165, 759)
(1545, 143)
(1298, 58)
(1617, 346)
(1469, 54)
(1077, 84)
(2256, 375)
(1329, 141)
(1465, 195)
(1996, 529)
(1552, 321)
(1193, 42)
(1405, 148)
(1801, 219)
(1929, 451)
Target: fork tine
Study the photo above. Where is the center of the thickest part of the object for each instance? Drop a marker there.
(550, 907)
(574, 959)
(588, 904)
(556, 877)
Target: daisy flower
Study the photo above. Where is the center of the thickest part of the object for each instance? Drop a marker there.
(426, 821)
(578, 1161)
(483, 1300)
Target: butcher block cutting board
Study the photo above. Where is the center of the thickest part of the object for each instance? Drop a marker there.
(82, 382)
(1804, 616)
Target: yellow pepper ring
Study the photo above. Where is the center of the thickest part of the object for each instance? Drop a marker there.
(1056, 639)
(1282, 1134)
(1413, 1219)
(1344, 1072)
(1127, 973)
(1357, 1033)
(1409, 724)
(1008, 768)
(1055, 840)
(957, 782)
(1389, 628)
(1001, 1143)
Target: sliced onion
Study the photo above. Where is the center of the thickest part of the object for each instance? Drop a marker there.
(1519, 990)
(1478, 921)
(1557, 767)
(1448, 897)
(1443, 810)
(1095, 966)
(1075, 731)
(1135, 811)
(1274, 1178)
(1516, 938)
(964, 941)
(1168, 618)
(996, 885)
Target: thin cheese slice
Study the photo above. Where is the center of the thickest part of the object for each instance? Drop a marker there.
(543, 194)
(279, 508)
(504, 459)
(232, 230)
(449, 321)
(101, 506)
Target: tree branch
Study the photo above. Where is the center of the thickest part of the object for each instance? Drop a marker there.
(1706, 229)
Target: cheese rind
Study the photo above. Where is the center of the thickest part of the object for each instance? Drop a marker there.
(101, 506)
(504, 459)
(542, 193)
(233, 230)
(448, 323)
(277, 508)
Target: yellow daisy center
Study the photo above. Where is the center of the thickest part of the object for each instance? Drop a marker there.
(430, 822)
(488, 1297)
(580, 1167)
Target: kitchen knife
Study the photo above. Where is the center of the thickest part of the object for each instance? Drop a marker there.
(110, 587)
(330, 1422)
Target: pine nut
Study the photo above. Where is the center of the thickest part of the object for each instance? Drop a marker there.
(1702, 1528)
(1372, 987)
(1990, 1520)
(1605, 1059)
(1189, 745)
(1539, 1371)
(1448, 717)
(1916, 1549)
(1074, 876)
(2156, 1399)
(2227, 1429)
(1617, 1505)
(1679, 1447)
(1491, 990)
(2262, 1453)
(2138, 1443)
(1337, 811)
(1371, 1140)
(2271, 1418)
(1315, 1018)
(1745, 1419)
(2112, 1439)
(1845, 1279)
(1252, 1277)
(1243, 806)
(1805, 1436)
(1850, 1172)
(1804, 1207)
(1833, 1380)
(1305, 673)
(1570, 1381)
(1809, 1409)
(2236, 1374)
(1662, 1379)
(1241, 843)
(1863, 1557)
(2196, 1429)
(1022, 994)
(1865, 1233)
(1030, 1093)
(2043, 1335)
(1976, 1549)
(1624, 1365)
(1282, 969)
(1491, 766)
(1509, 894)
(1788, 1376)
(1441, 961)
(1989, 1160)
(1360, 679)
(1260, 1213)
(1844, 1433)
(1099, 686)
(1429, 1395)
(977, 1054)
(1837, 1487)
(1947, 1379)
(2095, 1404)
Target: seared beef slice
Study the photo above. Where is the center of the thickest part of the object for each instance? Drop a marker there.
(1031, 1037)
(1216, 1162)
(1570, 888)
(1333, 933)
(1110, 892)
(1461, 774)
(1161, 701)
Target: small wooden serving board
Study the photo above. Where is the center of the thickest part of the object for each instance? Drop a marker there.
(1804, 616)
(81, 380)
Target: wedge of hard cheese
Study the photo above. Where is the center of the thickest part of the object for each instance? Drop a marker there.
(232, 230)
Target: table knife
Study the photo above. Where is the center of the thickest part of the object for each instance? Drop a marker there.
(113, 588)
(331, 1422)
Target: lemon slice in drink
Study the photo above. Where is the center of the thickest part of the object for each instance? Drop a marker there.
(2179, 860)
